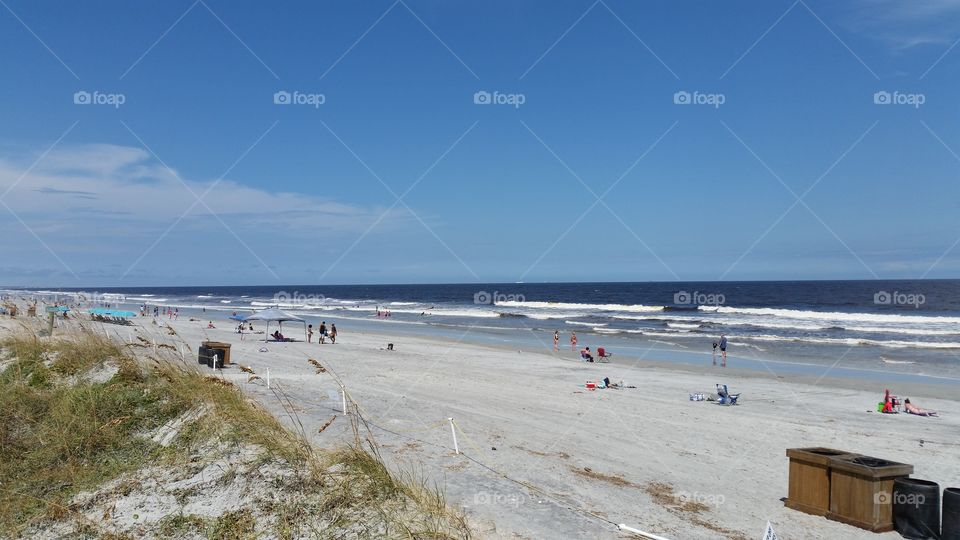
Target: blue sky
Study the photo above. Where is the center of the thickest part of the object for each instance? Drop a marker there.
(199, 177)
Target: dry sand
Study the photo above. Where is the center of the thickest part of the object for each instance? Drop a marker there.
(559, 461)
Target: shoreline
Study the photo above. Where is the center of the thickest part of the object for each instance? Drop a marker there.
(943, 388)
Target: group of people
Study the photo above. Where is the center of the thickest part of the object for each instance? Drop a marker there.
(323, 333)
(891, 403)
(556, 340)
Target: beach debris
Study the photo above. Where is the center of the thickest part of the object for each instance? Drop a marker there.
(327, 424)
(247, 369)
(318, 365)
(616, 480)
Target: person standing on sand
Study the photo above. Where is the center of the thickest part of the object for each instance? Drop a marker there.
(573, 340)
(723, 349)
(333, 332)
(715, 344)
(322, 338)
(556, 340)
(309, 333)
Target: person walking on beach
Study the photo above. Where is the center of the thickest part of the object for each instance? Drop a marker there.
(323, 332)
(573, 340)
(556, 340)
(723, 349)
(333, 332)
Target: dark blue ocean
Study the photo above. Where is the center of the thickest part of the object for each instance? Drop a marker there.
(896, 327)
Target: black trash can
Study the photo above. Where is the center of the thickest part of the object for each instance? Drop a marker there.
(951, 514)
(916, 508)
(204, 355)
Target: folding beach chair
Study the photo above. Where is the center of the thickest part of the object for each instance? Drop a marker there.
(603, 355)
(725, 397)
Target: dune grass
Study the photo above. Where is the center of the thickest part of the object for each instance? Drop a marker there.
(62, 432)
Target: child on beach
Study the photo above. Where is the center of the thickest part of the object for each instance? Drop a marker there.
(309, 333)
(556, 340)
(333, 333)
(573, 340)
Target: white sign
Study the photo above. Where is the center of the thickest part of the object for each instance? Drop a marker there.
(769, 534)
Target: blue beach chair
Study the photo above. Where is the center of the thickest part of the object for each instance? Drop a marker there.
(725, 397)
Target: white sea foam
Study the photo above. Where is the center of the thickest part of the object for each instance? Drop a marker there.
(581, 323)
(854, 341)
(633, 308)
(683, 325)
(840, 316)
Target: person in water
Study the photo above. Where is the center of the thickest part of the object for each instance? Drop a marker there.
(556, 340)
(723, 349)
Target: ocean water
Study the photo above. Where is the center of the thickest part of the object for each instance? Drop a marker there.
(911, 328)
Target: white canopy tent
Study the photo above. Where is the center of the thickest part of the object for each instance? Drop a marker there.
(275, 315)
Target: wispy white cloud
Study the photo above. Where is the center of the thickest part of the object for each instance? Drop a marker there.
(906, 25)
(87, 181)
(101, 208)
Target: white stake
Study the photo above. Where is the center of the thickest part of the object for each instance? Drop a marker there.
(268, 377)
(456, 447)
(640, 533)
(343, 395)
(213, 365)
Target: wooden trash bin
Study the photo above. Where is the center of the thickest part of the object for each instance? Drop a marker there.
(220, 348)
(861, 491)
(809, 484)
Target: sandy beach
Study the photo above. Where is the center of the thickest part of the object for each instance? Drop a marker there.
(543, 457)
